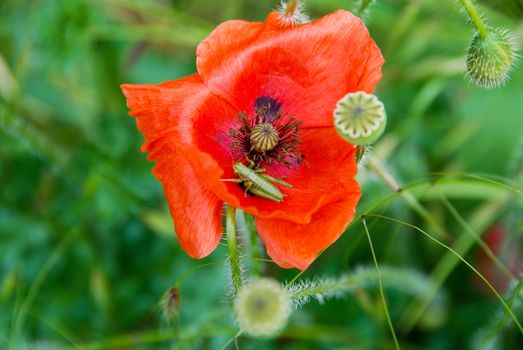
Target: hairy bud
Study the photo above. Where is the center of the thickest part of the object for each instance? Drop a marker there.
(491, 57)
(262, 307)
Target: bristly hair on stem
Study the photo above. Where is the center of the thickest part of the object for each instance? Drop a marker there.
(232, 246)
(475, 17)
(251, 236)
(292, 12)
(407, 281)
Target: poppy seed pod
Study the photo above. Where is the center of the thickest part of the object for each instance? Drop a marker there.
(491, 57)
(360, 118)
(262, 307)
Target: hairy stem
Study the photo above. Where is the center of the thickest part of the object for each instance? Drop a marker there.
(406, 281)
(291, 7)
(475, 17)
(234, 257)
(253, 245)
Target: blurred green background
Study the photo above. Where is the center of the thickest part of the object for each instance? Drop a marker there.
(87, 247)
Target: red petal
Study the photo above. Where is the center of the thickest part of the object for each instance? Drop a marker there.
(372, 72)
(196, 211)
(307, 67)
(159, 108)
(225, 42)
(160, 111)
(295, 245)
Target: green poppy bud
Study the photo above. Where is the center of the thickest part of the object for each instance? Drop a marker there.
(262, 307)
(491, 57)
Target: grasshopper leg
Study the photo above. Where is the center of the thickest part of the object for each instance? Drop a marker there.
(276, 180)
(266, 195)
(248, 187)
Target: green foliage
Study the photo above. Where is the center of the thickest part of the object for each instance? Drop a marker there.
(499, 332)
(87, 248)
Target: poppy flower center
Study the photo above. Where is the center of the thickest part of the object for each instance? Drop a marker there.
(264, 137)
(267, 136)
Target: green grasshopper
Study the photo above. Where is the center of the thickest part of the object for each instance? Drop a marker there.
(258, 183)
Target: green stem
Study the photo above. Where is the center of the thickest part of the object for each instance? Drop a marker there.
(38, 283)
(470, 231)
(374, 165)
(475, 17)
(233, 339)
(253, 244)
(480, 221)
(210, 327)
(291, 7)
(234, 258)
(363, 6)
(380, 284)
(460, 257)
(406, 281)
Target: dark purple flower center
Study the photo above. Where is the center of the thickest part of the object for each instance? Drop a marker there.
(269, 136)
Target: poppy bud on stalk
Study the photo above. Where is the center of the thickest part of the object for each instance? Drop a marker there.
(262, 307)
(360, 118)
(490, 58)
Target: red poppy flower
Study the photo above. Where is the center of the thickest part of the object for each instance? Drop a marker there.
(287, 78)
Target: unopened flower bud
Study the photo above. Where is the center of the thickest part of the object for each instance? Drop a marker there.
(262, 307)
(490, 58)
(360, 118)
